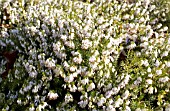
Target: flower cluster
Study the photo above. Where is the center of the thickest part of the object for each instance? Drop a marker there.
(105, 55)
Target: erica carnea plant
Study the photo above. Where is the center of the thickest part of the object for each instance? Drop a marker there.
(105, 55)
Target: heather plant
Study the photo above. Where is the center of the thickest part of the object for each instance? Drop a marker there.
(73, 55)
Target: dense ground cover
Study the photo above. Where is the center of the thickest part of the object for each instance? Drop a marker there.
(73, 55)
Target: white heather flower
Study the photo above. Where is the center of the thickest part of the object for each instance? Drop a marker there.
(159, 25)
(77, 60)
(145, 63)
(75, 74)
(150, 90)
(35, 89)
(137, 11)
(149, 81)
(165, 53)
(126, 80)
(167, 63)
(52, 96)
(142, 19)
(83, 103)
(126, 17)
(33, 74)
(109, 86)
(70, 44)
(167, 108)
(4, 34)
(101, 101)
(156, 53)
(115, 90)
(72, 35)
(92, 59)
(150, 75)
(68, 98)
(158, 72)
(138, 109)
(131, 46)
(169, 40)
(64, 37)
(86, 44)
(86, 28)
(106, 60)
(41, 106)
(57, 46)
(19, 101)
(110, 108)
(125, 94)
(80, 88)
(58, 71)
(144, 38)
(91, 87)
(127, 102)
(138, 81)
(85, 81)
(127, 108)
(164, 79)
(145, 44)
(100, 20)
(118, 102)
(69, 78)
(21, 91)
(149, 69)
(108, 94)
(41, 56)
(32, 108)
(110, 101)
(75, 53)
(50, 63)
(73, 68)
(157, 63)
(109, 45)
(165, 28)
(156, 35)
(73, 88)
(66, 65)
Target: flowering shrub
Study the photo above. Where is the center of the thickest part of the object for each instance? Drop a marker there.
(104, 55)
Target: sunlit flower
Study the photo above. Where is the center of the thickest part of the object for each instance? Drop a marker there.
(68, 98)
(91, 87)
(128, 108)
(73, 68)
(86, 44)
(165, 53)
(149, 69)
(145, 63)
(158, 72)
(164, 79)
(157, 63)
(78, 60)
(167, 63)
(52, 96)
(167, 108)
(126, 17)
(125, 94)
(118, 102)
(101, 101)
(150, 90)
(149, 81)
(50, 63)
(69, 78)
(83, 103)
(110, 108)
